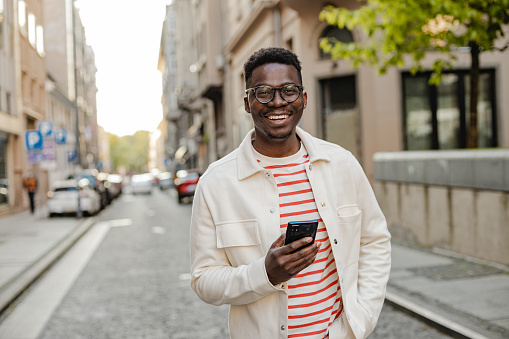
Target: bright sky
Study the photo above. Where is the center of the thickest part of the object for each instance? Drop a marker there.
(125, 36)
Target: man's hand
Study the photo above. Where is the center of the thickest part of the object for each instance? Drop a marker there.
(282, 265)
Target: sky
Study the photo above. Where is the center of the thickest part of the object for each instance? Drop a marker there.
(125, 36)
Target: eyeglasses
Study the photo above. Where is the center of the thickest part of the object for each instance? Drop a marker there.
(264, 94)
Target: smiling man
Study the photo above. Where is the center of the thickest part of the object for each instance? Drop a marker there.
(333, 286)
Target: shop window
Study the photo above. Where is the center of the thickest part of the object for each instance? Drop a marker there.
(436, 117)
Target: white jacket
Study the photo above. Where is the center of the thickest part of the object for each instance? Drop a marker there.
(235, 220)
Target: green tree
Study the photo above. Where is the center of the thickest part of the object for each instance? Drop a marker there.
(399, 28)
(130, 151)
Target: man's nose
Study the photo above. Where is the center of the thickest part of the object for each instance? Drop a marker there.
(278, 100)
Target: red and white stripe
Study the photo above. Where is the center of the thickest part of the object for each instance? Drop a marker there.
(314, 295)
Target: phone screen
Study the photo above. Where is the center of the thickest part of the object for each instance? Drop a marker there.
(296, 230)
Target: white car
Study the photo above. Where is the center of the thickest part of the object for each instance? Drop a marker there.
(142, 183)
(64, 198)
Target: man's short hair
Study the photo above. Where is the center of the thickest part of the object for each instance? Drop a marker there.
(271, 55)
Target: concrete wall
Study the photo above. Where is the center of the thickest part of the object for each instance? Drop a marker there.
(455, 200)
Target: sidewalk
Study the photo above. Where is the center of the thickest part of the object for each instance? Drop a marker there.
(460, 294)
(469, 298)
(29, 244)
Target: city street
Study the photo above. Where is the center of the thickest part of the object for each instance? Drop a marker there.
(131, 280)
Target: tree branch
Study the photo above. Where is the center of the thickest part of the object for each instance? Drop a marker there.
(501, 49)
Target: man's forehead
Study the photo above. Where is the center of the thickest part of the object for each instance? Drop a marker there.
(274, 72)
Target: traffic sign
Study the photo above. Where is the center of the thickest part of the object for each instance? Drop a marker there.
(60, 135)
(33, 139)
(45, 127)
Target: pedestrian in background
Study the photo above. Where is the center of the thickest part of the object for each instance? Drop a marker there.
(30, 183)
(333, 288)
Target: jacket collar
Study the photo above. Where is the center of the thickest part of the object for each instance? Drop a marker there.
(247, 165)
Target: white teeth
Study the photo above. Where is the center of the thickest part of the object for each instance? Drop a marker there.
(276, 117)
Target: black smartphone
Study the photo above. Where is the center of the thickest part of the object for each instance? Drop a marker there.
(296, 230)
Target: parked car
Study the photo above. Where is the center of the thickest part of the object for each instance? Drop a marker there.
(164, 180)
(63, 198)
(116, 182)
(185, 182)
(142, 183)
(92, 176)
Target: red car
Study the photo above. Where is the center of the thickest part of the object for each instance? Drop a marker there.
(185, 182)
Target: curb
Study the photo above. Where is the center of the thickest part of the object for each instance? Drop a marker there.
(16, 286)
(436, 320)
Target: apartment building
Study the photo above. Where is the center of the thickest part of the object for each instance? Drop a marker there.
(46, 71)
(10, 122)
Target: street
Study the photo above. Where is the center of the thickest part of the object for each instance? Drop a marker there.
(135, 283)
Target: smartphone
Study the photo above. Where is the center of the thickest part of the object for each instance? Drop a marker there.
(296, 230)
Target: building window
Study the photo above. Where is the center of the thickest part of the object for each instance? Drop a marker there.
(436, 117)
(39, 37)
(22, 13)
(8, 102)
(334, 33)
(4, 187)
(31, 29)
(340, 113)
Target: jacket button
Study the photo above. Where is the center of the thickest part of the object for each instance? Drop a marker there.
(310, 167)
(267, 174)
(282, 327)
(335, 241)
(323, 204)
(272, 210)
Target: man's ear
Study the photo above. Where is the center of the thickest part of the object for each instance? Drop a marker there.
(246, 105)
(305, 99)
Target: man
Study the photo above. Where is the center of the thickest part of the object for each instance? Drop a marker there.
(30, 183)
(336, 286)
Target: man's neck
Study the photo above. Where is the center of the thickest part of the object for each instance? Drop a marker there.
(277, 149)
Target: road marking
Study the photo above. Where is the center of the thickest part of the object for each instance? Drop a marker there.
(158, 230)
(120, 222)
(185, 276)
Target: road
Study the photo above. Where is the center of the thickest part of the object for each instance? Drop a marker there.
(132, 281)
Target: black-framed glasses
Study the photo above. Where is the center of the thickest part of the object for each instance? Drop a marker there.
(264, 94)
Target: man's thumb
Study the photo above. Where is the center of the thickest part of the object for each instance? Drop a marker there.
(280, 242)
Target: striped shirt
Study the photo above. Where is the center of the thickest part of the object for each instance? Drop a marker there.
(314, 295)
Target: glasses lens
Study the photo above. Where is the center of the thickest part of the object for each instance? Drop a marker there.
(290, 92)
(264, 93)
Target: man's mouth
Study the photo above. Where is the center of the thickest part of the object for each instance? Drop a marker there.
(278, 117)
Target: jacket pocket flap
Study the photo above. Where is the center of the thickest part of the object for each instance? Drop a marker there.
(348, 213)
(238, 233)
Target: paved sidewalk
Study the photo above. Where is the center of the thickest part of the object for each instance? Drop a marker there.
(467, 297)
(29, 244)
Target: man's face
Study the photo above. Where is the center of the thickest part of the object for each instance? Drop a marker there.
(275, 121)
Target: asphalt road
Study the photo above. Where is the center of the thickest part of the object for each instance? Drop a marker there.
(136, 283)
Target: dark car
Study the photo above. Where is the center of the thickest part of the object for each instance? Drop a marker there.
(185, 182)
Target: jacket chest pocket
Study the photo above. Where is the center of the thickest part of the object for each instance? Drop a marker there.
(240, 240)
(350, 231)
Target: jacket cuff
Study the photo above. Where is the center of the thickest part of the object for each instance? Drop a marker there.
(259, 280)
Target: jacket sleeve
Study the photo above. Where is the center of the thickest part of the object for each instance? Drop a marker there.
(213, 278)
(375, 251)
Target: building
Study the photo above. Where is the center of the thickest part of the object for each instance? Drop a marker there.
(47, 82)
(184, 110)
(10, 119)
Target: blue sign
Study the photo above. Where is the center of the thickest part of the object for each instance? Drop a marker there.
(60, 135)
(33, 139)
(71, 155)
(45, 127)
